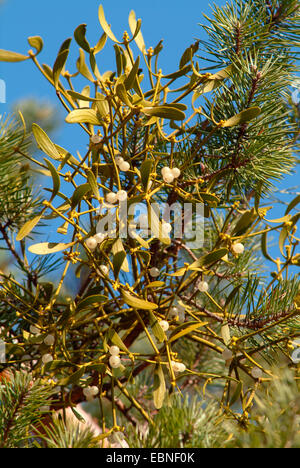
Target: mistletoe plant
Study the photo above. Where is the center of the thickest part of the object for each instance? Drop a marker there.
(160, 307)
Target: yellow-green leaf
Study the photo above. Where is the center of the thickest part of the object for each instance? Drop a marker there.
(284, 219)
(207, 259)
(44, 142)
(55, 178)
(81, 97)
(164, 112)
(93, 183)
(243, 117)
(83, 68)
(293, 204)
(145, 170)
(122, 94)
(116, 340)
(36, 42)
(83, 116)
(129, 81)
(244, 222)
(79, 193)
(156, 227)
(8, 56)
(264, 250)
(236, 394)
(225, 333)
(105, 26)
(46, 248)
(118, 247)
(138, 303)
(133, 24)
(73, 378)
(61, 60)
(156, 328)
(100, 44)
(185, 329)
(27, 228)
(159, 387)
(80, 38)
(155, 284)
(91, 301)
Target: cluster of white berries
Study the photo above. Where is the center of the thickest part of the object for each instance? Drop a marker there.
(178, 366)
(164, 325)
(203, 286)
(170, 174)
(114, 360)
(90, 392)
(123, 165)
(238, 248)
(120, 196)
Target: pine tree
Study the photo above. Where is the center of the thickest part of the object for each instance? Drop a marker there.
(140, 322)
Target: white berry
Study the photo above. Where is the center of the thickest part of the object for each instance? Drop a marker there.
(256, 373)
(49, 340)
(122, 195)
(86, 391)
(174, 311)
(34, 330)
(99, 237)
(177, 366)
(114, 362)
(164, 325)
(238, 248)
(166, 170)
(47, 358)
(104, 269)
(111, 197)
(168, 177)
(176, 172)
(203, 286)
(94, 390)
(181, 367)
(124, 166)
(95, 139)
(154, 272)
(227, 354)
(119, 160)
(91, 243)
(114, 350)
(166, 227)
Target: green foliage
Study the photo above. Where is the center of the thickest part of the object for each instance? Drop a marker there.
(181, 313)
(60, 435)
(23, 404)
(183, 423)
